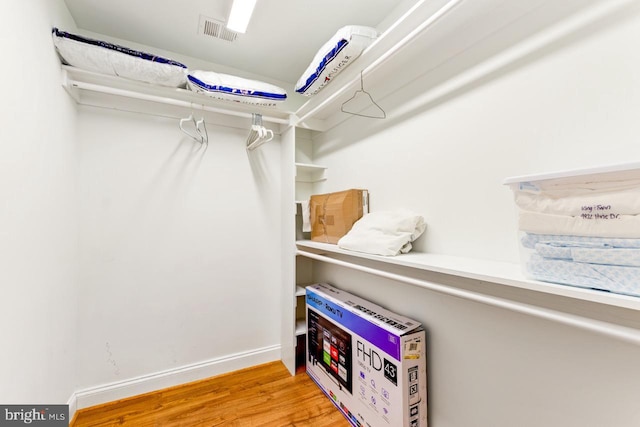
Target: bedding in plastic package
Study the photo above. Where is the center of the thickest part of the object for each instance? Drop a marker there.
(334, 56)
(234, 88)
(111, 59)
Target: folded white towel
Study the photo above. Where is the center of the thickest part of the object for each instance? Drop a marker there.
(386, 233)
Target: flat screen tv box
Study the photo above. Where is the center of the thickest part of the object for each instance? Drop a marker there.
(369, 361)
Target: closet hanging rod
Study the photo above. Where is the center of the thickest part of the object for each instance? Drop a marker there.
(167, 101)
(623, 333)
(388, 54)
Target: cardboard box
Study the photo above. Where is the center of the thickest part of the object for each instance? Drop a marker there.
(369, 361)
(333, 214)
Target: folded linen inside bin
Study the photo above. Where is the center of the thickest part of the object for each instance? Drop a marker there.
(581, 228)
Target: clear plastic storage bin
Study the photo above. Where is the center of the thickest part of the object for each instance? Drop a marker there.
(581, 227)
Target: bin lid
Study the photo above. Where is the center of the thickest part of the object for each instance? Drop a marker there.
(573, 172)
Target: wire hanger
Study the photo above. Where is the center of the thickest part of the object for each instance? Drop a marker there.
(379, 113)
(201, 127)
(185, 130)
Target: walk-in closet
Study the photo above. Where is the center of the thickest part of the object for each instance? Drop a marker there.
(154, 230)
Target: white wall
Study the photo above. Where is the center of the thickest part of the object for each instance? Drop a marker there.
(180, 245)
(573, 104)
(38, 210)
(130, 255)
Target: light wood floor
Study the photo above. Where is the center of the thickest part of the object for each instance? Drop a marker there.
(261, 396)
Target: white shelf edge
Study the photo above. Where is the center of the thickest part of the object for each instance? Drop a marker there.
(300, 291)
(311, 181)
(619, 167)
(310, 167)
(502, 273)
(301, 327)
(314, 173)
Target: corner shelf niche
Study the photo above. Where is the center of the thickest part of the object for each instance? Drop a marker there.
(301, 327)
(309, 173)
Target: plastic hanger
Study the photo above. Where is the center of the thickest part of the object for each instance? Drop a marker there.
(258, 134)
(193, 134)
(379, 112)
(199, 132)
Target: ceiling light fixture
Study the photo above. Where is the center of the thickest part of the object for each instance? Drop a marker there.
(240, 15)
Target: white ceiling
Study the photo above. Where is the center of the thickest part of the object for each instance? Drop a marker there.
(282, 38)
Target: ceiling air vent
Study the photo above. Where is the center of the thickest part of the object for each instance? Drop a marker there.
(216, 29)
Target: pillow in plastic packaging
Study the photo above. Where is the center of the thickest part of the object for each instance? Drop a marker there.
(334, 56)
(234, 88)
(111, 59)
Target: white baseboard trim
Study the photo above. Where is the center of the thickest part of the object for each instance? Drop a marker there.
(171, 377)
(73, 405)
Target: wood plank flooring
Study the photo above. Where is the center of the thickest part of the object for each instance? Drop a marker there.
(265, 396)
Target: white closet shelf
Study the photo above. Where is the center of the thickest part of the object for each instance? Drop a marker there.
(301, 327)
(503, 273)
(77, 82)
(310, 173)
(616, 167)
(307, 167)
